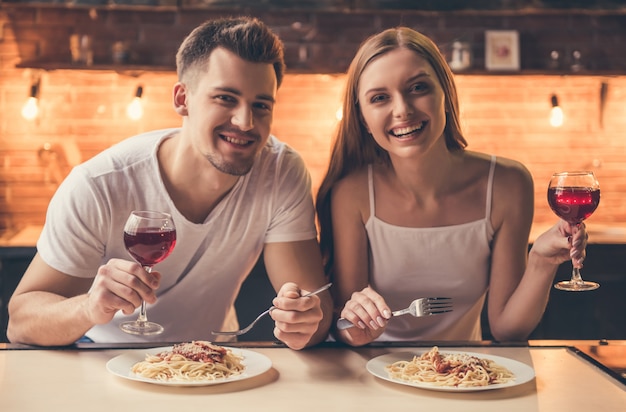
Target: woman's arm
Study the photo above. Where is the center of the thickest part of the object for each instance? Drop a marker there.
(520, 282)
(354, 300)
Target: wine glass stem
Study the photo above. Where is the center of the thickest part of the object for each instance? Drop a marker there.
(576, 278)
(143, 316)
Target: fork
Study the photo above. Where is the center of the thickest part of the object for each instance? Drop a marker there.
(251, 325)
(418, 308)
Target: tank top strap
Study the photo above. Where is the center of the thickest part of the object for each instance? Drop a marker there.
(370, 183)
(492, 170)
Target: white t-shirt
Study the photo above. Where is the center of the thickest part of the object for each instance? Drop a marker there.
(201, 278)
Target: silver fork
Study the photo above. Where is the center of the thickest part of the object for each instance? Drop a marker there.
(419, 307)
(250, 326)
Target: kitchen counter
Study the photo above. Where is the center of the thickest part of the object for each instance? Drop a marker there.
(599, 233)
(26, 237)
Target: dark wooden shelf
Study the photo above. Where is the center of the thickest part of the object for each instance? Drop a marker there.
(493, 7)
(539, 72)
(129, 69)
(137, 69)
(156, 6)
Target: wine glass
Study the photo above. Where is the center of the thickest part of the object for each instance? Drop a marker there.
(574, 196)
(149, 237)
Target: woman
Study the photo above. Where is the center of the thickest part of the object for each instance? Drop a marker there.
(406, 212)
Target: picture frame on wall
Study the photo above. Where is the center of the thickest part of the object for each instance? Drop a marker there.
(502, 50)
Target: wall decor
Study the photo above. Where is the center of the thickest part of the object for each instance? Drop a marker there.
(502, 50)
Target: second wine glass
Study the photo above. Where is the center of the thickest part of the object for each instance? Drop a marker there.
(574, 196)
(149, 237)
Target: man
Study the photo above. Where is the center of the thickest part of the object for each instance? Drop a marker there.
(233, 191)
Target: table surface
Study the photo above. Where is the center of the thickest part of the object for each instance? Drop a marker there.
(323, 378)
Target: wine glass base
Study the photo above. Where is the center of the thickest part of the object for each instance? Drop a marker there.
(569, 286)
(141, 328)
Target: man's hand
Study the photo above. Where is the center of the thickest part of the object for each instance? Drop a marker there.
(296, 318)
(120, 285)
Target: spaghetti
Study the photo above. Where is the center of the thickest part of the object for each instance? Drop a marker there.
(191, 361)
(449, 369)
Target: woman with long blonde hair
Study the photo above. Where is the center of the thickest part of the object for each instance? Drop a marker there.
(405, 211)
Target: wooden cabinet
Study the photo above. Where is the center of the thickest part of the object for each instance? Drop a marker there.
(599, 314)
(256, 293)
(13, 264)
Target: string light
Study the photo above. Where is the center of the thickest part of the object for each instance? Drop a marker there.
(556, 113)
(135, 109)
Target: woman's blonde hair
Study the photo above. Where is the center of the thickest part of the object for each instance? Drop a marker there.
(353, 147)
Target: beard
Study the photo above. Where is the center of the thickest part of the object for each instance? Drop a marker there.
(233, 168)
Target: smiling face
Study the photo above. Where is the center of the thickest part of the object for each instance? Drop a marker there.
(402, 103)
(228, 107)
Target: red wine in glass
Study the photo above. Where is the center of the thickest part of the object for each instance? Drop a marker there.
(149, 237)
(573, 204)
(574, 196)
(149, 246)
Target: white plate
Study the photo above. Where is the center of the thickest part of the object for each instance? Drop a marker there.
(255, 364)
(523, 373)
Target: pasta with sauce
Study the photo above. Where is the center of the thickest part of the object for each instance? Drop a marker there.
(191, 361)
(449, 369)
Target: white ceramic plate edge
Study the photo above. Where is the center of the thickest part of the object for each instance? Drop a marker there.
(523, 373)
(255, 363)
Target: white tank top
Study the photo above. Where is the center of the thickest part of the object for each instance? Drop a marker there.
(407, 263)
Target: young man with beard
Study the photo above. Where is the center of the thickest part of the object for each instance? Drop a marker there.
(233, 191)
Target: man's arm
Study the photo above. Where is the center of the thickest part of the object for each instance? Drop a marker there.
(46, 307)
(295, 268)
(51, 308)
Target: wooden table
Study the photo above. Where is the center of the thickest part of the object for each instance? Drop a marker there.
(326, 378)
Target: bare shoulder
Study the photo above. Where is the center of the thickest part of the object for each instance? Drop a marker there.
(513, 187)
(513, 196)
(351, 192)
(507, 170)
(512, 174)
(354, 184)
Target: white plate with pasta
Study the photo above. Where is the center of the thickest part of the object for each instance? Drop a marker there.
(250, 364)
(417, 369)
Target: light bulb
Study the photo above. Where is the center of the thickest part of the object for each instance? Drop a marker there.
(556, 113)
(30, 110)
(135, 109)
(556, 117)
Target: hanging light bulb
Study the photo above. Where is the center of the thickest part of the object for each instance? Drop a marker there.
(556, 113)
(30, 110)
(135, 109)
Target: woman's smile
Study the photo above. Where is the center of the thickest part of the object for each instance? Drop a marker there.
(408, 131)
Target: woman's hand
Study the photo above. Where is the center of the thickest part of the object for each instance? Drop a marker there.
(563, 242)
(369, 313)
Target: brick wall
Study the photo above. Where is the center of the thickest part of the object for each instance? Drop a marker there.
(83, 111)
